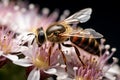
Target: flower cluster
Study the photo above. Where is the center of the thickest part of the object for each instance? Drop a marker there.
(42, 62)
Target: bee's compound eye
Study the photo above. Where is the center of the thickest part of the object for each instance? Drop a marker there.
(55, 29)
(41, 36)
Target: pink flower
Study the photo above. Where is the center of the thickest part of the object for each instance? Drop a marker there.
(25, 18)
(8, 45)
(94, 68)
(38, 57)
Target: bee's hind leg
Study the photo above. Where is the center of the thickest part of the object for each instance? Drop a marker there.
(64, 58)
(76, 50)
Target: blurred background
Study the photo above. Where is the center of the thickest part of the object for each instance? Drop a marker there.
(104, 19)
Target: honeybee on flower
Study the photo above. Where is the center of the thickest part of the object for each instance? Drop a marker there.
(45, 61)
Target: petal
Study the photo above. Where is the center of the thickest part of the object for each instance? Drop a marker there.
(27, 53)
(34, 75)
(11, 57)
(110, 76)
(24, 37)
(23, 62)
(115, 69)
(1, 53)
(61, 75)
(19, 48)
(51, 71)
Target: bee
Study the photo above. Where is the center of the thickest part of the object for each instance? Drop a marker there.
(61, 31)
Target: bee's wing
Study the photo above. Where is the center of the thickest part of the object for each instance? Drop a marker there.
(87, 33)
(80, 16)
(93, 33)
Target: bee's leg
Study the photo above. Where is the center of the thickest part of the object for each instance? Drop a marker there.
(64, 58)
(76, 50)
(50, 50)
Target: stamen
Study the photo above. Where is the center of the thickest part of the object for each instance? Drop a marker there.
(63, 66)
(65, 14)
(75, 68)
(58, 64)
(75, 71)
(103, 40)
(16, 8)
(45, 11)
(31, 6)
(113, 49)
(107, 52)
(23, 10)
(107, 46)
(110, 55)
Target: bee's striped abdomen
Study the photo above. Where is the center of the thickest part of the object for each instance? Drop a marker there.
(88, 44)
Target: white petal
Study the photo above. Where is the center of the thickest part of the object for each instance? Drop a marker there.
(51, 71)
(11, 57)
(62, 75)
(1, 52)
(19, 48)
(110, 76)
(28, 52)
(24, 37)
(65, 79)
(115, 69)
(34, 75)
(23, 62)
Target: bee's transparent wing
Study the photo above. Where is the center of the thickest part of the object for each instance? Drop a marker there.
(87, 33)
(80, 16)
(92, 32)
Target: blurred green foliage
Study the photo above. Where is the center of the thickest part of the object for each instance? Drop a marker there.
(11, 71)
